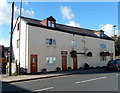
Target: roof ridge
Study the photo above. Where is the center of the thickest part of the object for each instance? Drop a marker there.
(77, 27)
(29, 18)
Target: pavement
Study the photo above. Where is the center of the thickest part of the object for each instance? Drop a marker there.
(82, 81)
(19, 78)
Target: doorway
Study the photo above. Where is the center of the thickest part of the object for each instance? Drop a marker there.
(75, 63)
(64, 62)
(33, 64)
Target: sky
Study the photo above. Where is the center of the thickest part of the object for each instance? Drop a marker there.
(89, 15)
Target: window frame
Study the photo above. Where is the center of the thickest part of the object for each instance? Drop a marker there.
(50, 59)
(18, 43)
(51, 24)
(50, 41)
(103, 58)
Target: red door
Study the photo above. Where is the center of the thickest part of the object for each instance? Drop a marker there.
(75, 63)
(33, 64)
(64, 62)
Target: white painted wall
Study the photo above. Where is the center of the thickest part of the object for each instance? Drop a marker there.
(22, 36)
(33, 41)
(37, 45)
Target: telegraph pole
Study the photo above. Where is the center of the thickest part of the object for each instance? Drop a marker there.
(114, 37)
(10, 72)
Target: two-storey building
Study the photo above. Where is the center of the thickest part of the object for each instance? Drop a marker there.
(45, 44)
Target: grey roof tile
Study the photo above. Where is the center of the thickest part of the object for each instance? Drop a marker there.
(65, 28)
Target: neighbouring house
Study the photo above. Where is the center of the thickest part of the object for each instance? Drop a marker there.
(4, 57)
(47, 46)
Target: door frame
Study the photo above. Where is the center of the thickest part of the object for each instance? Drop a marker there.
(64, 66)
(64, 54)
(75, 64)
(31, 71)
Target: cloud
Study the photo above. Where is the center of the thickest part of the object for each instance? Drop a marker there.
(109, 29)
(69, 15)
(4, 42)
(26, 3)
(73, 23)
(5, 12)
(67, 12)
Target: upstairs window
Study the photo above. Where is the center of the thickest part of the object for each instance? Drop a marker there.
(54, 42)
(102, 34)
(102, 46)
(51, 24)
(50, 41)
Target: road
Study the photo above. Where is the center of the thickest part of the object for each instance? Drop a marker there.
(75, 82)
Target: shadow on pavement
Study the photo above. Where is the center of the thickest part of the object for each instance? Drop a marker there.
(10, 88)
(89, 71)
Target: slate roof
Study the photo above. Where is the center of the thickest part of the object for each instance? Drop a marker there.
(65, 28)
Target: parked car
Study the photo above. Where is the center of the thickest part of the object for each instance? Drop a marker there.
(113, 64)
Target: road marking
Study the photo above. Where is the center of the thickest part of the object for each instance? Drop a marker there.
(90, 80)
(44, 89)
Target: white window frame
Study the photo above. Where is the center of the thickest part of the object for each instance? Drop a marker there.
(54, 42)
(49, 23)
(50, 59)
(52, 24)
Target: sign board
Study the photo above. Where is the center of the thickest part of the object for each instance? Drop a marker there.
(64, 53)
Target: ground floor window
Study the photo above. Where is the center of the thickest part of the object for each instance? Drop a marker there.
(103, 58)
(50, 59)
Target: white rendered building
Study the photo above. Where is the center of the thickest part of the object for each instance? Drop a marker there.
(39, 45)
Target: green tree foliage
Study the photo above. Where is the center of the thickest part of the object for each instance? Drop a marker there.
(117, 46)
